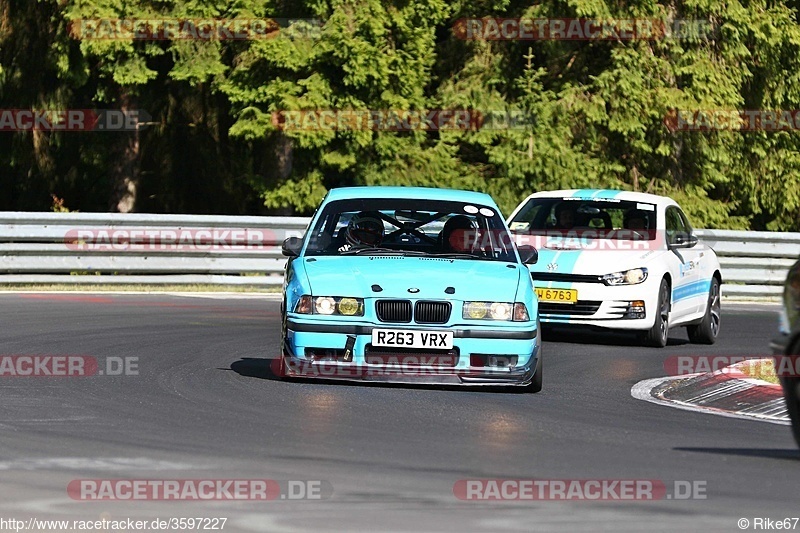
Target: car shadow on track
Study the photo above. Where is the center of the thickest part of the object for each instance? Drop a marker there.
(252, 367)
(587, 335)
(791, 454)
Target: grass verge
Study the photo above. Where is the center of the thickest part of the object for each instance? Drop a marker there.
(763, 369)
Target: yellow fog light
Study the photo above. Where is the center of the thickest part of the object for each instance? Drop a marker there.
(349, 306)
(475, 310)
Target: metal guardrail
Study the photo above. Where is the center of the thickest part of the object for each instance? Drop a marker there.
(113, 248)
(754, 263)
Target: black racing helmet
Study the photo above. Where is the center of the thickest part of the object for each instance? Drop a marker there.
(364, 229)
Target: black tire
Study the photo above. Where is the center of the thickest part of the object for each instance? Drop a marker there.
(536, 383)
(792, 395)
(279, 365)
(658, 335)
(706, 332)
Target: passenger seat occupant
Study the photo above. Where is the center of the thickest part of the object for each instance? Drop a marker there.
(364, 229)
(459, 234)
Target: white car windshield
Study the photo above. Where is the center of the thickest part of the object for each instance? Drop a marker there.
(604, 218)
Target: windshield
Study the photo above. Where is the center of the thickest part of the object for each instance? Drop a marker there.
(411, 227)
(603, 218)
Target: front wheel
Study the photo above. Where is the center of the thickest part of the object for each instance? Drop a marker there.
(278, 365)
(791, 393)
(536, 383)
(706, 332)
(657, 335)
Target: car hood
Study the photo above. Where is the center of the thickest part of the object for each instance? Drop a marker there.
(474, 280)
(591, 261)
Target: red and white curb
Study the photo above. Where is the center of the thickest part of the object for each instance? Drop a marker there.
(726, 392)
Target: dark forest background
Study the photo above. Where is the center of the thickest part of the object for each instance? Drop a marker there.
(599, 106)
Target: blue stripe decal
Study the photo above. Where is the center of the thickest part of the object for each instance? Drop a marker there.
(595, 193)
(690, 290)
(566, 260)
(607, 194)
(584, 193)
(546, 318)
(566, 265)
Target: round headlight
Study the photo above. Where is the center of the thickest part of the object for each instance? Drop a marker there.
(348, 306)
(475, 310)
(325, 305)
(634, 276)
(500, 311)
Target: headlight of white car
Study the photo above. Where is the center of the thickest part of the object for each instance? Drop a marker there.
(633, 276)
(495, 311)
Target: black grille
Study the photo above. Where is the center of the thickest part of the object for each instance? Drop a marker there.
(581, 307)
(575, 278)
(431, 312)
(393, 310)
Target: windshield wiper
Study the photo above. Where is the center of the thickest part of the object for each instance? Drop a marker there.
(359, 250)
(456, 255)
(379, 250)
(413, 253)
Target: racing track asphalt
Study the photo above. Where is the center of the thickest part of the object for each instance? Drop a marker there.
(204, 405)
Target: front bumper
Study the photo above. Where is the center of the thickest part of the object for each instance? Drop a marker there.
(601, 305)
(315, 350)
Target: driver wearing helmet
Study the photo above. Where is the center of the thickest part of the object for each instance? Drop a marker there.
(365, 229)
(565, 216)
(459, 234)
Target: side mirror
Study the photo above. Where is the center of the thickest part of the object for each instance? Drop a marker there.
(291, 247)
(528, 254)
(684, 240)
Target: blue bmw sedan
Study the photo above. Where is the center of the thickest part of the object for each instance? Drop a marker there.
(404, 284)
